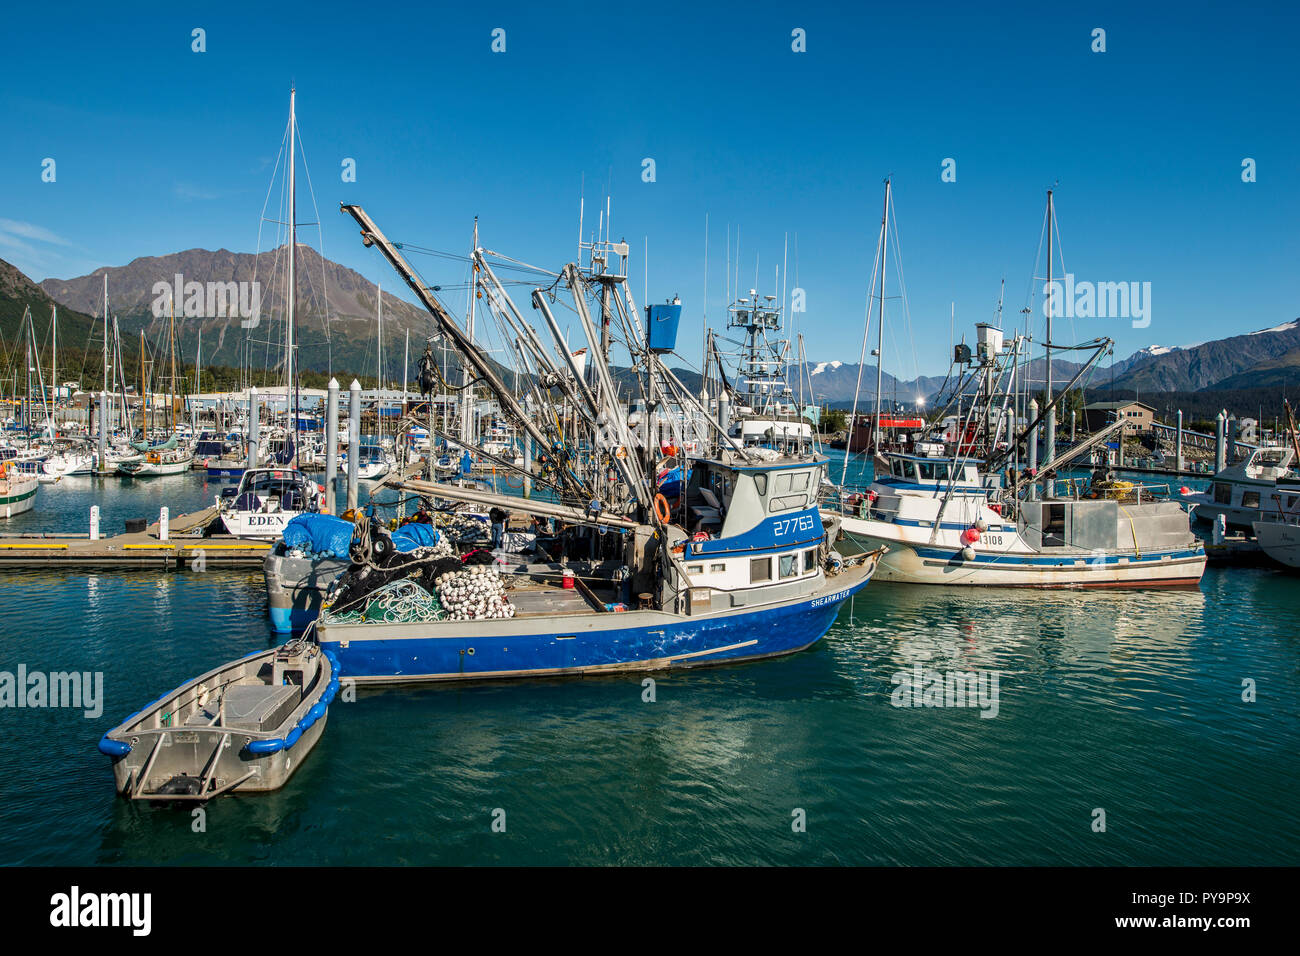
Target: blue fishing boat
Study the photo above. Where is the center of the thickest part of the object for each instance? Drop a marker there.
(751, 575)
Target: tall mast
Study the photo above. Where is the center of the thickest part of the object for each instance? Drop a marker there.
(171, 390)
(379, 362)
(144, 394)
(1049, 449)
(292, 409)
(54, 353)
(105, 331)
(467, 394)
(880, 323)
(27, 418)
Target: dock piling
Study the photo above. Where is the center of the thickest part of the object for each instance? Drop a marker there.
(1178, 444)
(331, 444)
(254, 426)
(102, 464)
(354, 440)
(1220, 442)
(94, 522)
(1033, 448)
(163, 524)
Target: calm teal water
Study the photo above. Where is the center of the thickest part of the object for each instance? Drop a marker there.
(1130, 702)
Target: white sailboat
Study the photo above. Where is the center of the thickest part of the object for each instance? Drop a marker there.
(267, 498)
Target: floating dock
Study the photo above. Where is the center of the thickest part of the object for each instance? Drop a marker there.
(183, 547)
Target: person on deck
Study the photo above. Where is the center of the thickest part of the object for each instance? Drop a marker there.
(498, 519)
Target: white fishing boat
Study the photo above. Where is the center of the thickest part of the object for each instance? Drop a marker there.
(1279, 538)
(945, 522)
(968, 514)
(1243, 491)
(1277, 530)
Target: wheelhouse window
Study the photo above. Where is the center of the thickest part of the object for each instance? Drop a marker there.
(810, 561)
(789, 565)
(1250, 499)
(760, 482)
(760, 569)
(1222, 493)
(788, 503)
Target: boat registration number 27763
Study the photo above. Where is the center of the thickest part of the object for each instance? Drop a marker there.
(782, 526)
(830, 598)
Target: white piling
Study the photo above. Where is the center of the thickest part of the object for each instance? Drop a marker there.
(331, 444)
(354, 440)
(163, 524)
(254, 426)
(94, 522)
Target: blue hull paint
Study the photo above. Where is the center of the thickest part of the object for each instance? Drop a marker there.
(674, 642)
(286, 620)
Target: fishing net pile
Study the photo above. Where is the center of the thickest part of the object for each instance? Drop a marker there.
(460, 526)
(474, 594)
(398, 602)
(414, 576)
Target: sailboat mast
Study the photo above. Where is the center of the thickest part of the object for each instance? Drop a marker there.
(467, 407)
(292, 408)
(1049, 449)
(171, 390)
(144, 394)
(105, 332)
(379, 362)
(880, 322)
(54, 354)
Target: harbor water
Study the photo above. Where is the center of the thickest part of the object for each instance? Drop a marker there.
(1173, 712)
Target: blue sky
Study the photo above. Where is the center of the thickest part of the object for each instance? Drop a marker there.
(159, 148)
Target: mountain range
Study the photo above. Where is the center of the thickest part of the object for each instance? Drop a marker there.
(336, 308)
(337, 329)
(1267, 358)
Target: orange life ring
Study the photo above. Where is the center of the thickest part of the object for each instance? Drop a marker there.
(662, 509)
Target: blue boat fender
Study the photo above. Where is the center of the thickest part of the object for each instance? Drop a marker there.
(113, 748)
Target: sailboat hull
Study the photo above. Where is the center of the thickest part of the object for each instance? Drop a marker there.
(138, 468)
(17, 495)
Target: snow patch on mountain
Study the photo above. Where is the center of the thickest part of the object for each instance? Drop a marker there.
(1284, 327)
(822, 366)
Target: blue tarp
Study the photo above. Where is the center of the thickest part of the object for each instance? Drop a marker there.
(321, 535)
(670, 486)
(415, 535)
